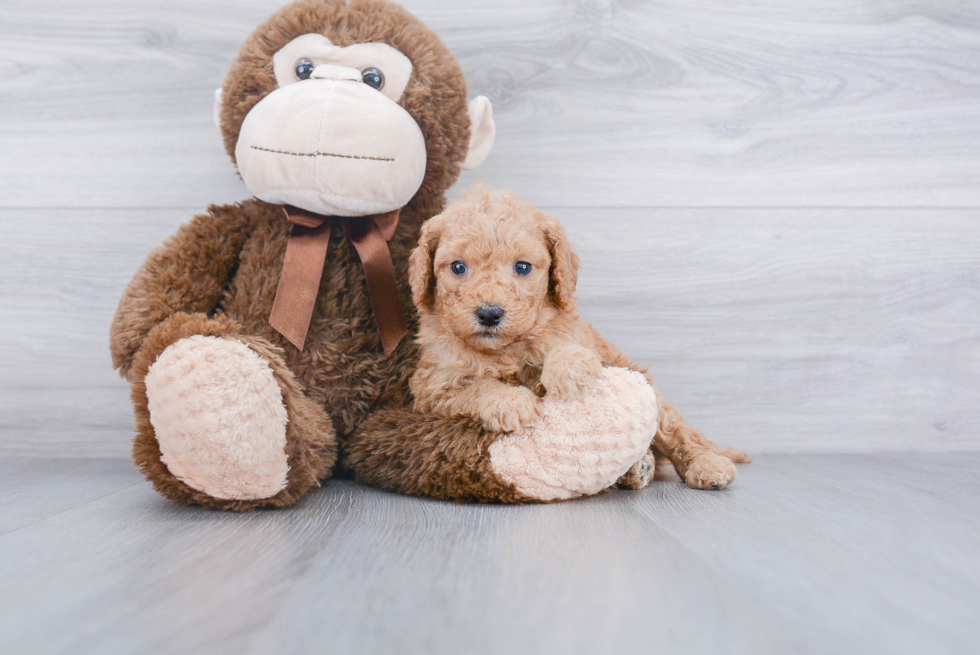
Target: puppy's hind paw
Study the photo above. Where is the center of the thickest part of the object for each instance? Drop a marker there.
(710, 471)
(640, 475)
(511, 410)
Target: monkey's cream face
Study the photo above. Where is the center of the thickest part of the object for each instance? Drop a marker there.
(332, 139)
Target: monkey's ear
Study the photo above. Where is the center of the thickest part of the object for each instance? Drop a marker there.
(563, 275)
(217, 107)
(482, 131)
(420, 274)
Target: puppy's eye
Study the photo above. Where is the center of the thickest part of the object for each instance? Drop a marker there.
(373, 77)
(304, 68)
(458, 268)
(522, 268)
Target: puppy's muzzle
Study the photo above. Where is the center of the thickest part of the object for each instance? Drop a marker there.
(489, 315)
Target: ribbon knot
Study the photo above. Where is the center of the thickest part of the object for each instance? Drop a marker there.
(302, 268)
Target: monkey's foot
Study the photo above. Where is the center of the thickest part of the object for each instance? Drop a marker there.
(581, 446)
(219, 418)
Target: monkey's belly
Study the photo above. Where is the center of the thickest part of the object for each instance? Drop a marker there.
(342, 366)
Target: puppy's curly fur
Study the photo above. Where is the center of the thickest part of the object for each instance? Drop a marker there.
(495, 255)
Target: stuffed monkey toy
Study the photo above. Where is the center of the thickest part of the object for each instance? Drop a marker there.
(269, 343)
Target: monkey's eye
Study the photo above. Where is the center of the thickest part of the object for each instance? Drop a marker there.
(522, 268)
(373, 78)
(304, 68)
(458, 268)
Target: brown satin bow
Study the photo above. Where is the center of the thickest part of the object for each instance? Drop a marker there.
(306, 252)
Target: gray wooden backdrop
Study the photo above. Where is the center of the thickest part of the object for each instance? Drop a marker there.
(777, 203)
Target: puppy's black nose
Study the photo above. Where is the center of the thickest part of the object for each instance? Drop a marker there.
(489, 315)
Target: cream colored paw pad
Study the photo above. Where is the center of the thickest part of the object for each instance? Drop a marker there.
(580, 447)
(219, 418)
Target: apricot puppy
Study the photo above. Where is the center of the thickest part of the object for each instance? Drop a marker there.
(494, 281)
(501, 329)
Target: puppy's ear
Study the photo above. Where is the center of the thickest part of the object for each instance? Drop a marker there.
(420, 275)
(563, 275)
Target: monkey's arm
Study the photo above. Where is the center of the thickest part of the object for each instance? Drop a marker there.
(188, 273)
(575, 448)
(417, 454)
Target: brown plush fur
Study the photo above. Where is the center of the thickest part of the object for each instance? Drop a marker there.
(424, 455)
(497, 374)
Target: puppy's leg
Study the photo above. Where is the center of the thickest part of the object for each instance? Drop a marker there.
(691, 454)
(499, 406)
(729, 452)
(570, 370)
(699, 462)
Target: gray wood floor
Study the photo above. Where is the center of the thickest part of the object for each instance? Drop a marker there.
(872, 553)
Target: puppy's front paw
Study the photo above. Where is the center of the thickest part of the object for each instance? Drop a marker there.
(511, 409)
(569, 372)
(710, 471)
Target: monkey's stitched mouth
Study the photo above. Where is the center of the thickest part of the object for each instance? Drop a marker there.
(320, 154)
